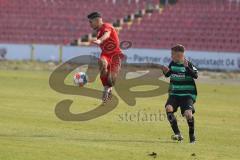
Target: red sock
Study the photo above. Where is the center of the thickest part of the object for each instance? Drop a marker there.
(104, 79)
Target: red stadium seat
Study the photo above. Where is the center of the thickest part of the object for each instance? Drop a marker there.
(198, 24)
(56, 19)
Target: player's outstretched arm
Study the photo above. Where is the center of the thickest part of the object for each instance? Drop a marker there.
(105, 36)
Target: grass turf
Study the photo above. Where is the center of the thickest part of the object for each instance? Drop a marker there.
(31, 131)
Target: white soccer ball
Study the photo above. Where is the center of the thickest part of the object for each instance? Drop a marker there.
(80, 78)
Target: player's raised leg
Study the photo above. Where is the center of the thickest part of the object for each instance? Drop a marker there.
(114, 68)
(103, 64)
(104, 76)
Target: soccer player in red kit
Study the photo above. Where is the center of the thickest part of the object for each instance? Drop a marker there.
(111, 56)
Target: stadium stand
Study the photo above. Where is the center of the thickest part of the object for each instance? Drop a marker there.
(56, 21)
(198, 24)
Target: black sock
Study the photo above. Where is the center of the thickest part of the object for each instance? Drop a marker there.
(173, 121)
(191, 126)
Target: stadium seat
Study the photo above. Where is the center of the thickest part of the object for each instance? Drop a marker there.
(198, 24)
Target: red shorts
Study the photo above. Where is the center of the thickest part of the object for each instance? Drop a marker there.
(113, 61)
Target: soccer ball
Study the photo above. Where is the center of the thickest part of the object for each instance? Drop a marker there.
(80, 79)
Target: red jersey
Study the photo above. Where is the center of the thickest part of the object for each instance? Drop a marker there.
(111, 45)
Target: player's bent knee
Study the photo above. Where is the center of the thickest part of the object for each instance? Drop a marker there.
(169, 108)
(103, 66)
(188, 114)
(102, 63)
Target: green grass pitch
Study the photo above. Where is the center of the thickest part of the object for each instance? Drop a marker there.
(30, 129)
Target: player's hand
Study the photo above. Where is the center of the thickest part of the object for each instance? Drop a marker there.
(185, 63)
(165, 69)
(97, 42)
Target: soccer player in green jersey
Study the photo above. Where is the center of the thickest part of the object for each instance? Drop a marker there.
(182, 91)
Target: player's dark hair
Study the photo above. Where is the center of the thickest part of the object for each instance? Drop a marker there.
(94, 15)
(178, 48)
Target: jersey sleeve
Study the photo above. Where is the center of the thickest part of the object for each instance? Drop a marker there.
(168, 74)
(192, 70)
(107, 28)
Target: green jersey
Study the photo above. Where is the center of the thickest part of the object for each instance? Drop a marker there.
(182, 80)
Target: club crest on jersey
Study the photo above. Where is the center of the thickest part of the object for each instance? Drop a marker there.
(109, 46)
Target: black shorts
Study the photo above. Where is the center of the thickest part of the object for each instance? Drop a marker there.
(184, 102)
